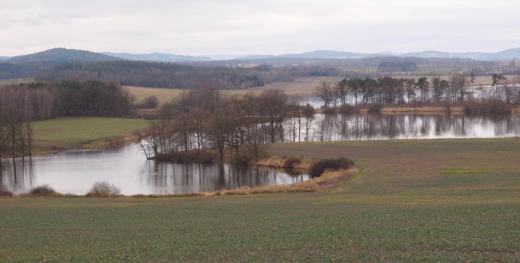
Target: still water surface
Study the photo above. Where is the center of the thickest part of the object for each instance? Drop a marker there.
(74, 172)
(379, 127)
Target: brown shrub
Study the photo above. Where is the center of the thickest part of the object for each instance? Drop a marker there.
(4, 192)
(103, 189)
(44, 191)
(317, 169)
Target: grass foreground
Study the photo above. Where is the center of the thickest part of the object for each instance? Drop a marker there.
(66, 133)
(417, 200)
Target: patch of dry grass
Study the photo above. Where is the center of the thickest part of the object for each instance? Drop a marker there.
(327, 181)
(295, 163)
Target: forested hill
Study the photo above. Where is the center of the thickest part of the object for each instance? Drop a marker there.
(68, 64)
(61, 55)
(168, 75)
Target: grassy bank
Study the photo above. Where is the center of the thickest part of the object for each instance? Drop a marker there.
(429, 200)
(66, 133)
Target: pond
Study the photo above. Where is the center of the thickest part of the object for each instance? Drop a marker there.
(74, 172)
(379, 127)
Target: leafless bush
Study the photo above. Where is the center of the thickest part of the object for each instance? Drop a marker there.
(103, 189)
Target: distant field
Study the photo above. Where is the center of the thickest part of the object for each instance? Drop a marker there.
(14, 81)
(73, 132)
(298, 87)
(413, 201)
(167, 95)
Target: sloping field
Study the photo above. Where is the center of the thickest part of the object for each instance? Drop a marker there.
(430, 200)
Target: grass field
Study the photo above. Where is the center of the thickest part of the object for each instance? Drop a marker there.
(429, 200)
(75, 132)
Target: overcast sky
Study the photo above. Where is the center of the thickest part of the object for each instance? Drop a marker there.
(258, 27)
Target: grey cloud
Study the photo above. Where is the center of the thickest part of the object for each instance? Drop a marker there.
(249, 26)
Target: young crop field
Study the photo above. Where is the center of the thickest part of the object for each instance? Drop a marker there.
(416, 200)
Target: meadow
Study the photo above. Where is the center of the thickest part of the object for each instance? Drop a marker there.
(412, 200)
(75, 132)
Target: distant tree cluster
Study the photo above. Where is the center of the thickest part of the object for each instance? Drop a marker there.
(90, 98)
(388, 90)
(170, 75)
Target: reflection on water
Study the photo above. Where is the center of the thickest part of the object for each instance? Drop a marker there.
(75, 172)
(374, 127)
(127, 168)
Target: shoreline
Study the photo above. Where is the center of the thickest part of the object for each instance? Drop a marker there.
(328, 180)
(413, 110)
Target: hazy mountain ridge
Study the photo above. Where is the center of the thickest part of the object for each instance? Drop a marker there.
(73, 55)
(334, 54)
(156, 57)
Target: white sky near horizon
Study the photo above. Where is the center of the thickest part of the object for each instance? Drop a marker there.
(244, 27)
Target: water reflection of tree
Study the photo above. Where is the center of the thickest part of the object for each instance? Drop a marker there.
(170, 178)
(368, 127)
(17, 175)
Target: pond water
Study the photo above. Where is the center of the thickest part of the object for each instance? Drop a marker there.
(74, 172)
(379, 127)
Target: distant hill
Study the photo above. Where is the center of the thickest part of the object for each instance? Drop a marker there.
(501, 55)
(508, 54)
(156, 57)
(333, 54)
(61, 55)
(4, 58)
(317, 54)
(330, 54)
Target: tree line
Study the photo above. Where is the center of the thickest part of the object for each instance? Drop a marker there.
(167, 75)
(392, 91)
(21, 104)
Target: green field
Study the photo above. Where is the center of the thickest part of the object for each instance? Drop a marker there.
(75, 132)
(429, 200)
